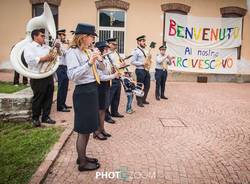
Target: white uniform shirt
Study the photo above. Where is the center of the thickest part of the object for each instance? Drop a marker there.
(138, 58)
(115, 59)
(79, 70)
(32, 53)
(104, 70)
(159, 61)
(63, 49)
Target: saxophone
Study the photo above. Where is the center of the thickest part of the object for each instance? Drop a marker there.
(148, 60)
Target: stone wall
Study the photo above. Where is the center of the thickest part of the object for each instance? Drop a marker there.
(16, 107)
(192, 77)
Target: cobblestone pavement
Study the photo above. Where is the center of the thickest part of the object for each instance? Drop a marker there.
(200, 135)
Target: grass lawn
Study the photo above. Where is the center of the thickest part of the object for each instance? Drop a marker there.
(8, 87)
(22, 149)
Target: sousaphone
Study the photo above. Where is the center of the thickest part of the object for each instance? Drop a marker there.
(45, 21)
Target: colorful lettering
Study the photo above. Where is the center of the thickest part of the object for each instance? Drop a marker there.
(204, 35)
(214, 34)
(197, 35)
(179, 31)
(172, 29)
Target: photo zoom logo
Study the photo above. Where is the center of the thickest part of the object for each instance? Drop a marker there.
(125, 175)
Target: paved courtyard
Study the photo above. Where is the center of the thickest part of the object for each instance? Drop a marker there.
(200, 135)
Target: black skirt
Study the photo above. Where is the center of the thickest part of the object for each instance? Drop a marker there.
(104, 95)
(85, 101)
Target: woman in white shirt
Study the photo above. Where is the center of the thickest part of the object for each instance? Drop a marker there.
(82, 70)
(104, 89)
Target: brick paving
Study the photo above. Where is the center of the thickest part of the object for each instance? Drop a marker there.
(200, 135)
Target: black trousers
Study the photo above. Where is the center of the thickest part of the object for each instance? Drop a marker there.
(63, 83)
(160, 77)
(16, 79)
(143, 76)
(43, 90)
(115, 94)
(17, 75)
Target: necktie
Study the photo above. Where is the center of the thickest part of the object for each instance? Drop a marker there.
(93, 67)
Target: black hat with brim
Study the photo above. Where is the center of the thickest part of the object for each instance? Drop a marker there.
(101, 44)
(163, 47)
(112, 40)
(60, 31)
(85, 29)
(142, 37)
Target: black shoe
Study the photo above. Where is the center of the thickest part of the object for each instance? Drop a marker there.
(49, 121)
(63, 110)
(92, 160)
(68, 107)
(106, 134)
(145, 102)
(140, 104)
(36, 123)
(99, 136)
(89, 166)
(157, 98)
(163, 97)
(110, 121)
(117, 115)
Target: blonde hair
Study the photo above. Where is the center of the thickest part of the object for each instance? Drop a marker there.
(78, 41)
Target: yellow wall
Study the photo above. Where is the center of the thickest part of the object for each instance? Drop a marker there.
(245, 52)
(14, 15)
(81, 11)
(143, 17)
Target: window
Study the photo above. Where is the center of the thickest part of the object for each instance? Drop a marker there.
(112, 23)
(111, 18)
(37, 10)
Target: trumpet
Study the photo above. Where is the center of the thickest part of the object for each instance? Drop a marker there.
(165, 63)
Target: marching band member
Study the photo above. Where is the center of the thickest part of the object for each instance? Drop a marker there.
(63, 80)
(82, 70)
(161, 72)
(103, 89)
(36, 53)
(115, 91)
(142, 75)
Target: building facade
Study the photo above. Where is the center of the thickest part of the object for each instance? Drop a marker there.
(124, 19)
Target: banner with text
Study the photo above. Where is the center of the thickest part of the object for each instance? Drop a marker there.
(203, 32)
(193, 59)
